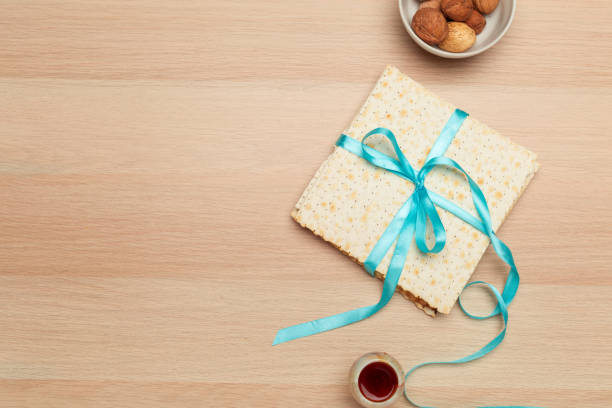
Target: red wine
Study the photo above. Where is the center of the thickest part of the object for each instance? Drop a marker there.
(377, 381)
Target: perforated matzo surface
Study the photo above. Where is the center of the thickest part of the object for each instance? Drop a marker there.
(349, 202)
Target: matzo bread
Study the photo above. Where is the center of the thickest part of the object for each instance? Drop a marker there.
(349, 202)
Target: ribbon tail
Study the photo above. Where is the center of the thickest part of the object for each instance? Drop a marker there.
(490, 346)
(324, 324)
(478, 354)
(504, 253)
(512, 281)
(389, 236)
(396, 266)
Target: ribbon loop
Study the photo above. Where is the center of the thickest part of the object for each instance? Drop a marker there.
(427, 211)
(403, 163)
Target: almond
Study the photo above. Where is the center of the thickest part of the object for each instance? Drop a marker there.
(460, 37)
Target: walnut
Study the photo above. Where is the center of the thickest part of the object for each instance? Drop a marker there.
(430, 25)
(434, 4)
(476, 21)
(486, 6)
(457, 10)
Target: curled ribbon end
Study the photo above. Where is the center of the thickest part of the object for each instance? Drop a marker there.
(278, 339)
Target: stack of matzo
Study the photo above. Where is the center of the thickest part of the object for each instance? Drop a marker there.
(349, 202)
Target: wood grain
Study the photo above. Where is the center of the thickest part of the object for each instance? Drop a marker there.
(151, 152)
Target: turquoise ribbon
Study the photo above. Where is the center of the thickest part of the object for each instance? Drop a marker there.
(410, 222)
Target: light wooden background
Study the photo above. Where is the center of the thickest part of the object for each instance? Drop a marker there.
(150, 154)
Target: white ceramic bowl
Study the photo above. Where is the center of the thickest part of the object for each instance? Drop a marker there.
(498, 23)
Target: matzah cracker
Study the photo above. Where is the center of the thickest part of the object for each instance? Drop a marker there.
(349, 202)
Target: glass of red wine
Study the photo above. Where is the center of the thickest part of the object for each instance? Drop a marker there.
(376, 380)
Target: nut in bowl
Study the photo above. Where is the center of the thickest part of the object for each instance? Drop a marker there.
(472, 26)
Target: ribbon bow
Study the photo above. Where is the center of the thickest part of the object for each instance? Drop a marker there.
(410, 222)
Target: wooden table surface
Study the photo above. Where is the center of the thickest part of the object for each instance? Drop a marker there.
(150, 154)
